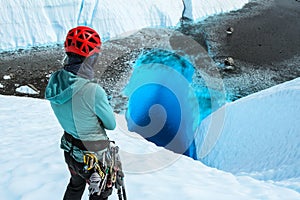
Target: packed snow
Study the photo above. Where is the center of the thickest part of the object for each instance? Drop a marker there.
(32, 164)
(6, 77)
(37, 23)
(24, 89)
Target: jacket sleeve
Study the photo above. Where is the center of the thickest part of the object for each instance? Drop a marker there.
(104, 110)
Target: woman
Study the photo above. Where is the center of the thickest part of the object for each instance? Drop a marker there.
(81, 108)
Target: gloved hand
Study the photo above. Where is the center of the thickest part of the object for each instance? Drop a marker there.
(95, 181)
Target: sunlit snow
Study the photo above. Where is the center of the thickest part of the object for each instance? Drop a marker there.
(26, 90)
(32, 164)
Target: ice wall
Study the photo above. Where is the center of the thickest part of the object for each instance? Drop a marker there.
(199, 9)
(33, 23)
(259, 135)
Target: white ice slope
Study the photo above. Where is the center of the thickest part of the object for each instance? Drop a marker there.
(260, 136)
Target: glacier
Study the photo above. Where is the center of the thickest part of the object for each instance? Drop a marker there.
(256, 136)
(259, 135)
(32, 23)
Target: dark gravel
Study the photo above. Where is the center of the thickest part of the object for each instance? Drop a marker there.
(29, 67)
(265, 44)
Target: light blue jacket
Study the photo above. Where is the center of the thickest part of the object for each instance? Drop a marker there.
(79, 106)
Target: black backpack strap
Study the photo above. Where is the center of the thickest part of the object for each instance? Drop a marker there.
(94, 146)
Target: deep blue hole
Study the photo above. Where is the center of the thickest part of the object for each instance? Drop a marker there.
(139, 105)
(154, 74)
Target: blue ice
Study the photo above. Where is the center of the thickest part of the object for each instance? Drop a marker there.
(164, 106)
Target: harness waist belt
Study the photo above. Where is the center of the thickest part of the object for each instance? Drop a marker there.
(94, 146)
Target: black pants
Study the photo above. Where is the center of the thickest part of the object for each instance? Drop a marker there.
(76, 186)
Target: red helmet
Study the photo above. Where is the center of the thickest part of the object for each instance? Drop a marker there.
(83, 41)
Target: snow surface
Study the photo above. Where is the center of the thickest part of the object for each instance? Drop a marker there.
(24, 89)
(32, 165)
(35, 23)
(6, 77)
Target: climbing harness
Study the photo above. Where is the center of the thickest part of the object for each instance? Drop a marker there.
(108, 171)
